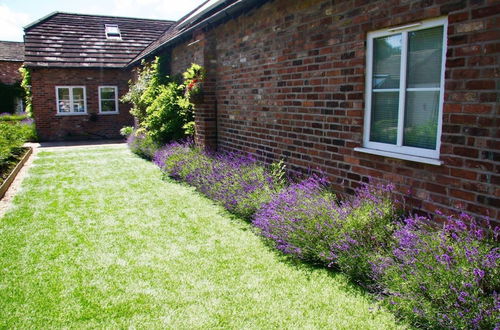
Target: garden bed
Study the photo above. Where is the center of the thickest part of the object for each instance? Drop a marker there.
(10, 169)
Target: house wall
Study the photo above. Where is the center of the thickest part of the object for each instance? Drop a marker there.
(290, 81)
(53, 127)
(9, 72)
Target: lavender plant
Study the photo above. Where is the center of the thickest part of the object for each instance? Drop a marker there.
(236, 181)
(306, 221)
(444, 279)
(142, 145)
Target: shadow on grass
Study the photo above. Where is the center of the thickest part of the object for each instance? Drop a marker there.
(346, 283)
(245, 224)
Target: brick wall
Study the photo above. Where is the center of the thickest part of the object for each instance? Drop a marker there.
(290, 81)
(93, 125)
(9, 72)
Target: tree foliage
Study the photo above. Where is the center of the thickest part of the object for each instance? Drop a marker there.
(161, 104)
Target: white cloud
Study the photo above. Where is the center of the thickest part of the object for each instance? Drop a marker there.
(11, 24)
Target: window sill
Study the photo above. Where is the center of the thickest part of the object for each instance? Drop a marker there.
(109, 113)
(417, 159)
(72, 114)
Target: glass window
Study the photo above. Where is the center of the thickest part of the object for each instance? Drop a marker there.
(405, 88)
(71, 100)
(108, 99)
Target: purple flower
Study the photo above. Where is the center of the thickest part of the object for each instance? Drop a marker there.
(478, 274)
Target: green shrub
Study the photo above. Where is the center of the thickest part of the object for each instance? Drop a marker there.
(12, 117)
(126, 131)
(12, 138)
(165, 118)
(160, 105)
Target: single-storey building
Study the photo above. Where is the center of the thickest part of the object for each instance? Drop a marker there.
(11, 60)
(78, 65)
(399, 91)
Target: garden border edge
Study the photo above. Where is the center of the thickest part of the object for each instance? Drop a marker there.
(8, 182)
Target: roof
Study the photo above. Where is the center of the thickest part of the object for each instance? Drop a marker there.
(208, 13)
(11, 51)
(76, 40)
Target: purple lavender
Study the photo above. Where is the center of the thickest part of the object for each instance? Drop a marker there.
(307, 221)
(237, 181)
(458, 265)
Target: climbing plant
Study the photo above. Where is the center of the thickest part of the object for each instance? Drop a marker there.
(26, 86)
(162, 104)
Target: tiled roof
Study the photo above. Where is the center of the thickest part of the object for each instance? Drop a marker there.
(75, 40)
(11, 51)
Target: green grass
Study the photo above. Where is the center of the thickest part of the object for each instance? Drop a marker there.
(96, 239)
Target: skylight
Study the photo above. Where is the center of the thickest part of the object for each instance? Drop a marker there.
(113, 32)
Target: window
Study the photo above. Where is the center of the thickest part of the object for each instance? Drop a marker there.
(108, 99)
(71, 100)
(112, 32)
(404, 90)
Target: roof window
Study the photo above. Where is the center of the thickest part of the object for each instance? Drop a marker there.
(113, 32)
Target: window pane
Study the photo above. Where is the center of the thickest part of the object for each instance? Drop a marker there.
(386, 62)
(108, 106)
(107, 93)
(384, 121)
(78, 106)
(64, 106)
(425, 49)
(78, 93)
(63, 94)
(421, 119)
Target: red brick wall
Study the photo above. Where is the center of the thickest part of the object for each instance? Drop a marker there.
(9, 72)
(290, 81)
(90, 126)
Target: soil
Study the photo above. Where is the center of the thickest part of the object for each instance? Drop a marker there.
(9, 165)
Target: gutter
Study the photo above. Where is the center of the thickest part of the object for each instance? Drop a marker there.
(230, 12)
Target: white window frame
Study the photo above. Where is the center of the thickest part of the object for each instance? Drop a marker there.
(100, 99)
(72, 112)
(398, 150)
(109, 34)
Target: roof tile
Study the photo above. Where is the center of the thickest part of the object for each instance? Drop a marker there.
(11, 51)
(75, 40)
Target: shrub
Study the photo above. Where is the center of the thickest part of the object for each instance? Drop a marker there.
(443, 279)
(236, 181)
(12, 138)
(12, 117)
(126, 131)
(142, 145)
(160, 105)
(306, 221)
(165, 117)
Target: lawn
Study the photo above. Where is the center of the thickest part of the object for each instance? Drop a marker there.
(96, 239)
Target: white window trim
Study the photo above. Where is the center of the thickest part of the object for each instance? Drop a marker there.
(72, 112)
(112, 37)
(398, 150)
(117, 111)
